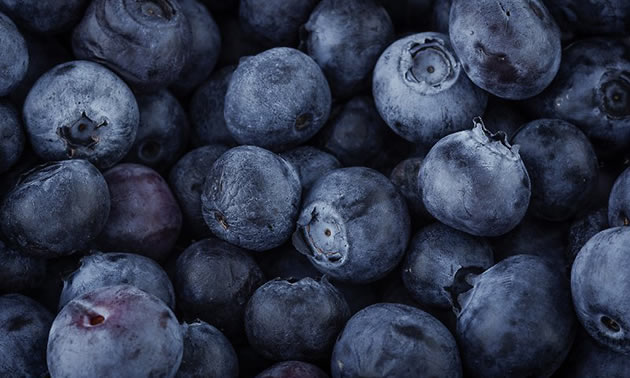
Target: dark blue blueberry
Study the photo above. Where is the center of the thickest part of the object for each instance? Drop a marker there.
(346, 37)
(277, 99)
(45, 16)
(562, 166)
(592, 17)
(213, 281)
(81, 110)
(476, 182)
(295, 320)
(251, 198)
(20, 272)
(599, 284)
(516, 321)
(310, 164)
(591, 359)
(511, 48)
(11, 136)
(24, 326)
(99, 270)
(115, 331)
(56, 209)
(207, 353)
(354, 225)
(503, 116)
(275, 22)
(14, 59)
(145, 217)
(292, 369)
(439, 261)
(162, 134)
(422, 92)
(145, 42)
(619, 201)
(405, 177)
(440, 15)
(186, 179)
(394, 340)
(583, 229)
(206, 110)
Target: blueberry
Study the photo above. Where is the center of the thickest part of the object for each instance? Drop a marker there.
(115, 331)
(511, 48)
(354, 225)
(310, 163)
(346, 38)
(439, 261)
(207, 353)
(11, 136)
(19, 272)
(405, 177)
(593, 17)
(56, 209)
(99, 270)
(439, 16)
(276, 99)
(474, 181)
(213, 281)
(292, 369)
(516, 320)
(145, 217)
(81, 110)
(583, 229)
(619, 201)
(14, 59)
(162, 133)
(251, 198)
(599, 283)
(562, 166)
(394, 340)
(45, 16)
(187, 178)
(590, 359)
(145, 42)
(24, 326)
(287, 319)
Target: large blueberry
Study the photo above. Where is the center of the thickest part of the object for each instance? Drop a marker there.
(476, 182)
(81, 110)
(115, 331)
(19, 272)
(516, 320)
(56, 209)
(251, 198)
(45, 16)
(619, 201)
(11, 136)
(421, 91)
(292, 369)
(207, 353)
(14, 57)
(310, 164)
(277, 99)
(145, 42)
(346, 37)
(295, 320)
(354, 225)
(394, 340)
(511, 48)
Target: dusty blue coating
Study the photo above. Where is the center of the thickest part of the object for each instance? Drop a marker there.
(19, 272)
(510, 48)
(354, 225)
(82, 110)
(395, 340)
(70, 197)
(207, 353)
(619, 201)
(99, 270)
(346, 37)
(45, 16)
(421, 90)
(599, 284)
(475, 182)
(11, 136)
(251, 198)
(295, 320)
(277, 99)
(145, 42)
(310, 163)
(517, 320)
(14, 56)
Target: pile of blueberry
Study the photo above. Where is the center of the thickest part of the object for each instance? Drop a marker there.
(314, 188)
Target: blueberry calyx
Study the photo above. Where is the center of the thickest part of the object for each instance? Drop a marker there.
(462, 283)
(497, 142)
(303, 121)
(83, 133)
(320, 239)
(614, 94)
(157, 9)
(429, 65)
(610, 324)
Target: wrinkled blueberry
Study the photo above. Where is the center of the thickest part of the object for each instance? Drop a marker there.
(11, 136)
(45, 16)
(310, 164)
(207, 353)
(14, 57)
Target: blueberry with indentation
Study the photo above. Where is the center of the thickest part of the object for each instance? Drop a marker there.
(11, 136)
(619, 201)
(599, 283)
(20, 272)
(56, 209)
(421, 91)
(593, 17)
(116, 331)
(516, 320)
(292, 369)
(354, 225)
(511, 48)
(310, 163)
(81, 110)
(99, 270)
(295, 320)
(346, 37)
(45, 16)
(476, 182)
(145, 42)
(251, 198)
(14, 59)
(394, 340)
(277, 99)
(207, 353)
(562, 166)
